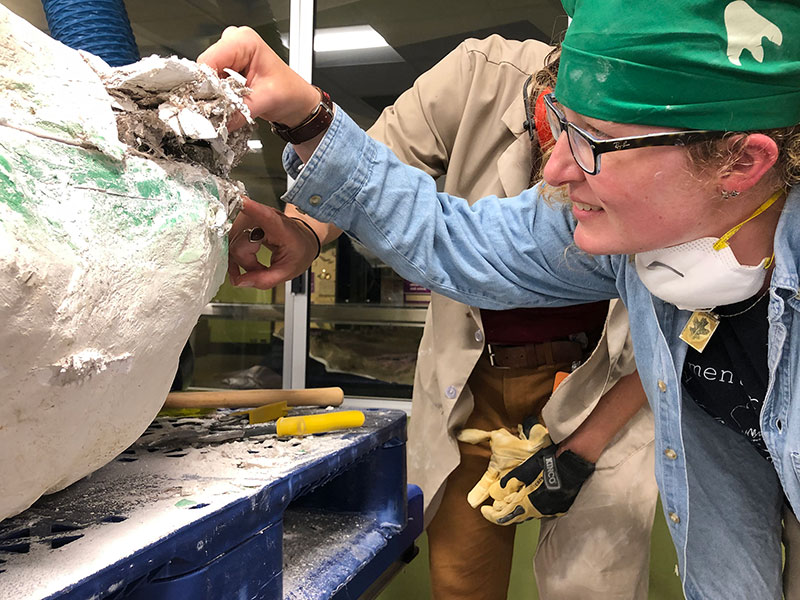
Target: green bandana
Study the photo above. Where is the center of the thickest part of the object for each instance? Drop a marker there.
(701, 64)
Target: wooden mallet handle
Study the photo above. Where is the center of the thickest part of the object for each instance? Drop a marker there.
(331, 396)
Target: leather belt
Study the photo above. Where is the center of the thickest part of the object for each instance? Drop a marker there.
(533, 355)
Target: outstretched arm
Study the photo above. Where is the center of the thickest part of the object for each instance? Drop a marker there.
(491, 255)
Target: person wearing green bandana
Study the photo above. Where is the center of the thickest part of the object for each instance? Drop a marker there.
(458, 447)
(677, 151)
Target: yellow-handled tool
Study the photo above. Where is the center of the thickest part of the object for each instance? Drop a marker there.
(285, 426)
(308, 424)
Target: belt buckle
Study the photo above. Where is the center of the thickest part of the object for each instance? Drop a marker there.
(492, 363)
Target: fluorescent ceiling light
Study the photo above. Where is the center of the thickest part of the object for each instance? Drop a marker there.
(336, 39)
(358, 37)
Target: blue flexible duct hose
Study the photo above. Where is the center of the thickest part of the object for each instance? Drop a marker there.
(101, 27)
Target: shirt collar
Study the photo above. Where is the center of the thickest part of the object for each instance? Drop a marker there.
(787, 244)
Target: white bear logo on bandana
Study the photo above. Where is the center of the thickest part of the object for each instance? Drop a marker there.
(746, 29)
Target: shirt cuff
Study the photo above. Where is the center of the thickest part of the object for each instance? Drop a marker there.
(337, 169)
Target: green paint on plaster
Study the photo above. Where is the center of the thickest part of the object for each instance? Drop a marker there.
(30, 165)
(152, 188)
(10, 194)
(102, 172)
(17, 85)
(13, 198)
(134, 216)
(13, 84)
(56, 230)
(151, 202)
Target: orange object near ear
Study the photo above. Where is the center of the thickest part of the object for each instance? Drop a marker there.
(540, 121)
(560, 376)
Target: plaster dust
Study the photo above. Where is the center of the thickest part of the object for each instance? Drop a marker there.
(107, 254)
(312, 539)
(155, 493)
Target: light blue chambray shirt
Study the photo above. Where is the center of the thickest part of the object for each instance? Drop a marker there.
(511, 253)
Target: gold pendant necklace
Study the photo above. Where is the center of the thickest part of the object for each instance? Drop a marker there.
(698, 331)
(703, 323)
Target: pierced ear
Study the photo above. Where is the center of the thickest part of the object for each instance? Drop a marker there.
(757, 154)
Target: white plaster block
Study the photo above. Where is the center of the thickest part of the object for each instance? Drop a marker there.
(106, 259)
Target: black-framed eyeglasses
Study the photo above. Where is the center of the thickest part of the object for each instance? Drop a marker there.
(586, 148)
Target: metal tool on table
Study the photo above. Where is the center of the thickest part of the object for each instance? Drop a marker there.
(262, 414)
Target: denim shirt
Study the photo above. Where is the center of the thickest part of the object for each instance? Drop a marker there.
(508, 254)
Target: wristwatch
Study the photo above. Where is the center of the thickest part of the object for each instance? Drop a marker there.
(314, 124)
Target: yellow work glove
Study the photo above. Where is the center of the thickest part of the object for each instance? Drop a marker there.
(508, 451)
(545, 485)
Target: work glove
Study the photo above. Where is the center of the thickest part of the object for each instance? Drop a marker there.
(508, 451)
(545, 485)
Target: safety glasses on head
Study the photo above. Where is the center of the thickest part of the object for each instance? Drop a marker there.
(586, 148)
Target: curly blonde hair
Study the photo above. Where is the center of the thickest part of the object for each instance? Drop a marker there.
(543, 79)
(721, 154)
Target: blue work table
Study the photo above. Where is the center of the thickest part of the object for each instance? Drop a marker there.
(317, 517)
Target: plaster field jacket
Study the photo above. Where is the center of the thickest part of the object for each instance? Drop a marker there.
(464, 118)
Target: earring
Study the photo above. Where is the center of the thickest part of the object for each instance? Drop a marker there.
(729, 194)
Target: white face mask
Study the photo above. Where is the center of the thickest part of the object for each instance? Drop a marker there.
(704, 273)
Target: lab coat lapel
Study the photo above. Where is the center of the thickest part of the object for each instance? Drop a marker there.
(514, 165)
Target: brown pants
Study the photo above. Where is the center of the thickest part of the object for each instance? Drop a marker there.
(470, 558)
(459, 536)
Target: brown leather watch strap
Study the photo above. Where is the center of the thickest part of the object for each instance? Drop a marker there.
(314, 124)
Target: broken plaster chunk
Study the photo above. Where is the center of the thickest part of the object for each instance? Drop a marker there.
(168, 114)
(178, 108)
(238, 77)
(196, 126)
(154, 73)
(220, 220)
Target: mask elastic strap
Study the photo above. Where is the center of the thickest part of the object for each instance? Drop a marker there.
(723, 241)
